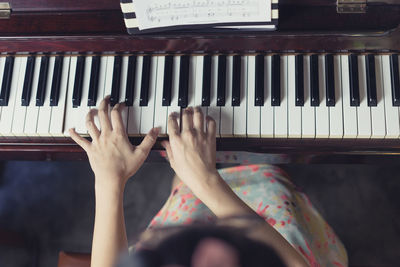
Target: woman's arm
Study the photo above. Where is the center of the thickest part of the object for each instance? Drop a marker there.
(192, 156)
(113, 160)
(109, 235)
(216, 194)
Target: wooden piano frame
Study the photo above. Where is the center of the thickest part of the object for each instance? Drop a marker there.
(309, 26)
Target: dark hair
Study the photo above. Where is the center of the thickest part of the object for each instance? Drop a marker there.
(178, 249)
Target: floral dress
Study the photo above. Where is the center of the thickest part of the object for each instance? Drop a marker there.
(269, 192)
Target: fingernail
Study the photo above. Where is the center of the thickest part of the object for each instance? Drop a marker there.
(156, 130)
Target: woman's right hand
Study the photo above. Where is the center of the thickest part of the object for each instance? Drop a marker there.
(192, 152)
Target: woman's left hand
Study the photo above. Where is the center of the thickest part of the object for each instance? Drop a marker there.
(112, 157)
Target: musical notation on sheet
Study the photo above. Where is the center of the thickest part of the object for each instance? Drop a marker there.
(164, 13)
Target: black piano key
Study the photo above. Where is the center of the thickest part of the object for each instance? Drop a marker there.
(394, 69)
(116, 81)
(259, 79)
(94, 81)
(329, 81)
(314, 81)
(299, 79)
(167, 84)
(27, 89)
(41, 89)
(77, 93)
(354, 86)
(205, 97)
(6, 84)
(276, 81)
(144, 88)
(56, 82)
(221, 84)
(130, 81)
(236, 80)
(183, 82)
(371, 80)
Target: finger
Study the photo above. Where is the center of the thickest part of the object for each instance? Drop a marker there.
(173, 128)
(116, 118)
(91, 126)
(211, 128)
(187, 119)
(82, 142)
(167, 147)
(149, 140)
(198, 120)
(105, 123)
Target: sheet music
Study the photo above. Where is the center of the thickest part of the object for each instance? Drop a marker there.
(164, 13)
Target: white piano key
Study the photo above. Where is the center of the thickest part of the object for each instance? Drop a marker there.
(160, 111)
(58, 112)
(350, 125)
(2, 66)
(43, 126)
(198, 80)
(280, 112)
(71, 112)
(147, 113)
(294, 112)
(378, 112)
(308, 111)
(391, 112)
(122, 89)
(213, 110)
(322, 111)
(109, 79)
(32, 111)
(240, 112)
(267, 111)
(192, 82)
(336, 112)
(135, 110)
(175, 88)
(109, 75)
(102, 80)
(20, 111)
(7, 113)
(227, 110)
(198, 91)
(83, 109)
(363, 111)
(253, 112)
(101, 86)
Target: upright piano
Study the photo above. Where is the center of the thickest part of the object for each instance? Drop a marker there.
(325, 82)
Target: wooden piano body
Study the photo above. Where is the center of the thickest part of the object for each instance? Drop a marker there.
(308, 26)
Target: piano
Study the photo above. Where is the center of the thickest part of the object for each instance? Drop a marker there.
(325, 83)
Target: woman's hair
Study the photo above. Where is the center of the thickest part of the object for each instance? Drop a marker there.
(178, 249)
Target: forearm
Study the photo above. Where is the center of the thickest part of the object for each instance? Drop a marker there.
(216, 194)
(109, 236)
(220, 199)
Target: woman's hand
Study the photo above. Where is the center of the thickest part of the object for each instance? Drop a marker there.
(112, 157)
(191, 152)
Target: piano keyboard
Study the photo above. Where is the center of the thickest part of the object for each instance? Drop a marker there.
(271, 96)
